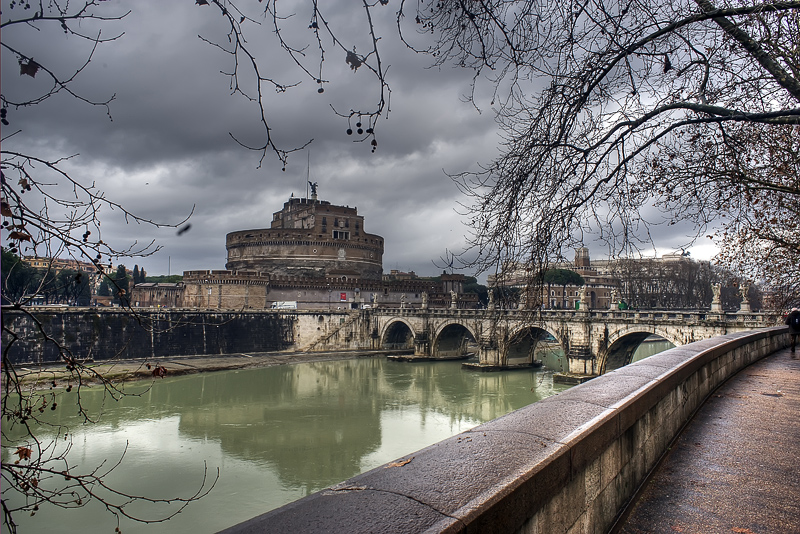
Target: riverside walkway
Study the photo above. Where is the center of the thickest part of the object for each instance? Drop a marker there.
(736, 466)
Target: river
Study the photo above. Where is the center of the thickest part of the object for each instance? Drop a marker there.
(276, 434)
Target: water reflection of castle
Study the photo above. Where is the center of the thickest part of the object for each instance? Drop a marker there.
(315, 254)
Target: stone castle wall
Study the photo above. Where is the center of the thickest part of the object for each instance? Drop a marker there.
(314, 254)
(231, 290)
(280, 253)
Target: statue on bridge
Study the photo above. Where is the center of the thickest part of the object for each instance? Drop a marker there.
(744, 307)
(716, 303)
(584, 299)
(453, 300)
(490, 306)
(614, 299)
(424, 300)
(403, 300)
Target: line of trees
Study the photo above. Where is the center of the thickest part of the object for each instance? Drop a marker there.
(23, 283)
(678, 285)
(646, 284)
(29, 285)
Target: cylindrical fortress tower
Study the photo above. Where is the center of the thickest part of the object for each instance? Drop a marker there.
(309, 238)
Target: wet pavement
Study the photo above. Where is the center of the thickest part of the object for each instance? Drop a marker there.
(736, 467)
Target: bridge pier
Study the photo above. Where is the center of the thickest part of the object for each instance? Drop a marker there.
(583, 366)
(489, 352)
(422, 345)
(581, 359)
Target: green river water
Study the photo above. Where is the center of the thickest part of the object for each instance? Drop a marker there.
(276, 434)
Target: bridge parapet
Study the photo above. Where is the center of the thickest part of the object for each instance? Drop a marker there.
(664, 315)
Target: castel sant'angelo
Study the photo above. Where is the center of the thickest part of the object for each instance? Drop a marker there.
(314, 255)
(309, 238)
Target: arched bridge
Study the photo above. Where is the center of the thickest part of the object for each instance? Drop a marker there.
(593, 341)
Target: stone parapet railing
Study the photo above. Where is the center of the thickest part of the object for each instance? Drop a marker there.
(754, 320)
(567, 464)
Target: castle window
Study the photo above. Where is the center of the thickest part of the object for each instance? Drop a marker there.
(341, 235)
(347, 223)
(336, 222)
(324, 221)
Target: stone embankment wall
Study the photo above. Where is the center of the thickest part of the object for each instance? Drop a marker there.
(101, 334)
(567, 464)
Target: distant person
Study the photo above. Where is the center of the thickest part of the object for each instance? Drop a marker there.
(793, 320)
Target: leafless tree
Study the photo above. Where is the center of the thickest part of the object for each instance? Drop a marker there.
(617, 115)
(751, 185)
(309, 38)
(681, 283)
(46, 210)
(596, 98)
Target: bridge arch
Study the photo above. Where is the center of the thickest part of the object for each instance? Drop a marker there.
(397, 334)
(521, 347)
(622, 345)
(451, 340)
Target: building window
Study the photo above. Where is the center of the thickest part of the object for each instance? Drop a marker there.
(337, 234)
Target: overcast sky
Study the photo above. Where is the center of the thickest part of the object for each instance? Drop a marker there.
(168, 147)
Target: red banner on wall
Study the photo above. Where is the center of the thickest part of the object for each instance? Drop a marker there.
(343, 297)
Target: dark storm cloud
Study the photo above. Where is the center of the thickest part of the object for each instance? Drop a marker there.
(168, 147)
